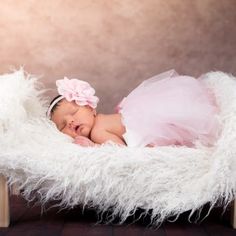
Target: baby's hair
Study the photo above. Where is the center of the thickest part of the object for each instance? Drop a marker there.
(56, 105)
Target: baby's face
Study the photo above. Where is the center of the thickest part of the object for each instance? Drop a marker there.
(73, 120)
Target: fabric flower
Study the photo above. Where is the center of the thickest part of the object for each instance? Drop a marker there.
(77, 90)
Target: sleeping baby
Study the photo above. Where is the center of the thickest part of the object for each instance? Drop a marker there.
(167, 109)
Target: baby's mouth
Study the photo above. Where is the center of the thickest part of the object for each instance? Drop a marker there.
(77, 128)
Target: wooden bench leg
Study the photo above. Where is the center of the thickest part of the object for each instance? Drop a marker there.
(4, 203)
(233, 214)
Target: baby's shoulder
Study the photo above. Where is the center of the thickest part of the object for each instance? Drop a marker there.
(107, 121)
(110, 123)
(99, 124)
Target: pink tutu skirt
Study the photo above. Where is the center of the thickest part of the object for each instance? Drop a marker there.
(169, 109)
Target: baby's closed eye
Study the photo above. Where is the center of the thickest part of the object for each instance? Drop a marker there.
(74, 111)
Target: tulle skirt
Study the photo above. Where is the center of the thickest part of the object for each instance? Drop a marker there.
(169, 109)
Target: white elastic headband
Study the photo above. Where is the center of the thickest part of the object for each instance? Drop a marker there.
(52, 105)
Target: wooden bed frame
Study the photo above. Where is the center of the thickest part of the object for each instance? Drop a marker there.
(4, 203)
(5, 208)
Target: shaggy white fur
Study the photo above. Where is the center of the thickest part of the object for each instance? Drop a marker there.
(163, 181)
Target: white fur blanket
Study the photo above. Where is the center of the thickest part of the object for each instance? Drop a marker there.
(169, 180)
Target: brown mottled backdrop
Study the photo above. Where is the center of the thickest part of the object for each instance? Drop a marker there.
(115, 44)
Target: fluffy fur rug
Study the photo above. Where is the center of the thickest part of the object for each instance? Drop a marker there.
(163, 181)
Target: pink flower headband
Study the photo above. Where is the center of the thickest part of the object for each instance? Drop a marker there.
(74, 90)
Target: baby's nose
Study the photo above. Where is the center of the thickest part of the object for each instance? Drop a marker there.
(70, 122)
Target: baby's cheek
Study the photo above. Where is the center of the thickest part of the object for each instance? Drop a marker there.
(85, 130)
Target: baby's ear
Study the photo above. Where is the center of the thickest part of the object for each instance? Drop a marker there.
(94, 112)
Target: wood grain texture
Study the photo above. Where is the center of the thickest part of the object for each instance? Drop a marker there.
(4, 203)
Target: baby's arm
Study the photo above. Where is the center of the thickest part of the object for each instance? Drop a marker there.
(101, 136)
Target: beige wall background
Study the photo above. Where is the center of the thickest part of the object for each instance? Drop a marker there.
(115, 44)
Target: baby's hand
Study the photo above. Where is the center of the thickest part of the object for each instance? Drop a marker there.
(83, 141)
